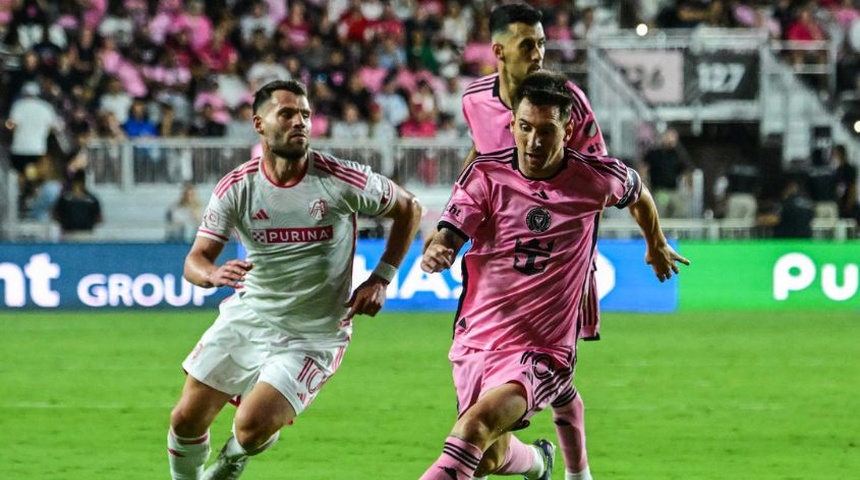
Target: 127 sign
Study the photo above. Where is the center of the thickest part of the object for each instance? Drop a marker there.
(727, 76)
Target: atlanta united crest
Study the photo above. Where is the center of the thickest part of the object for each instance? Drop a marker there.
(538, 220)
(318, 209)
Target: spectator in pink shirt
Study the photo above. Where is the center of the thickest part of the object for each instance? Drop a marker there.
(295, 26)
(371, 73)
(219, 53)
(420, 124)
(195, 21)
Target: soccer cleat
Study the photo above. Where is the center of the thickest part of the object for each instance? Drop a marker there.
(547, 451)
(224, 468)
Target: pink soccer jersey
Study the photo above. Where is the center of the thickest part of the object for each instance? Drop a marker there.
(490, 124)
(300, 238)
(490, 120)
(532, 245)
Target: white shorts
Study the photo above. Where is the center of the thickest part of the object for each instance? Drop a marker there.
(240, 349)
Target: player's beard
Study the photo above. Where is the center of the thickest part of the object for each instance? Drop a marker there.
(292, 148)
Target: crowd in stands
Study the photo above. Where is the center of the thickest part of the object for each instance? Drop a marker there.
(378, 69)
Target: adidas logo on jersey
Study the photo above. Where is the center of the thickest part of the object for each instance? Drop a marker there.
(260, 215)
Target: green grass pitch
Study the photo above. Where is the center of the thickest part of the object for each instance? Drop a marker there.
(683, 396)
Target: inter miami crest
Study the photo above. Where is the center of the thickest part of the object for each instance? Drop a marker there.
(538, 220)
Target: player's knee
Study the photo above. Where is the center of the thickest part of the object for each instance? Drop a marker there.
(253, 431)
(473, 430)
(185, 424)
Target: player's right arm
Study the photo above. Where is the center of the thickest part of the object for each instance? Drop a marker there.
(442, 250)
(201, 270)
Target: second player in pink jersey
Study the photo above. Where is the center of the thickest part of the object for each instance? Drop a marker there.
(530, 213)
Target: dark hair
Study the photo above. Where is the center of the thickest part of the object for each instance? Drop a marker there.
(546, 88)
(265, 92)
(503, 16)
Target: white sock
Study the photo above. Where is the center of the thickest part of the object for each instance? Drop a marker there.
(186, 456)
(585, 474)
(537, 468)
(479, 478)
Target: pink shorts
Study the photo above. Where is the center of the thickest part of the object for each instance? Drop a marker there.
(543, 373)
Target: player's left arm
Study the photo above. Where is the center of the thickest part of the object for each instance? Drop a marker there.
(659, 254)
(369, 297)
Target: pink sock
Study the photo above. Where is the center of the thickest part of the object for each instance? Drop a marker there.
(458, 461)
(519, 458)
(568, 413)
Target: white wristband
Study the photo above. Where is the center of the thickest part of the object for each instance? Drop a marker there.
(385, 271)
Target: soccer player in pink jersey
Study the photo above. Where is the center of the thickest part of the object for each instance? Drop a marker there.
(519, 45)
(282, 335)
(530, 212)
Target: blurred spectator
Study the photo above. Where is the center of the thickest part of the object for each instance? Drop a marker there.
(448, 101)
(241, 125)
(391, 53)
(209, 93)
(30, 71)
(792, 216)
(169, 125)
(219, 53)
(456, 23)
(138, 123)
(31, 120)
(256, 20)
(420, 124)
(666, 166)
(420, 50)
(314, 57)
(47, 188)
(351, 126)
(370, 73)
(232, 86)
(205, 124)
(352, 25)
(388, 25)
(358, 95)
(846, 183)
(117, 24)
(478, 56)
(805, 30)
(77, 210)
(395, 109)
(196, 24)
(266, 70)
(560, 31)
(295, 27)
(446, 130)
(379, 128)
(116, 100)
(184, 216)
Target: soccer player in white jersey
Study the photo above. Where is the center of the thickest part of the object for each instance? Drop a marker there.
(530, 212)
(283, 333)
(519, 46)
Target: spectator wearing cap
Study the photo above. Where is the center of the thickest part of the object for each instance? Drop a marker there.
(31, 120)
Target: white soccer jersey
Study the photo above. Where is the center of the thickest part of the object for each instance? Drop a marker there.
(300, 238)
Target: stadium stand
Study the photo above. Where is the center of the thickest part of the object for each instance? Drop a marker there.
(732, 80)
